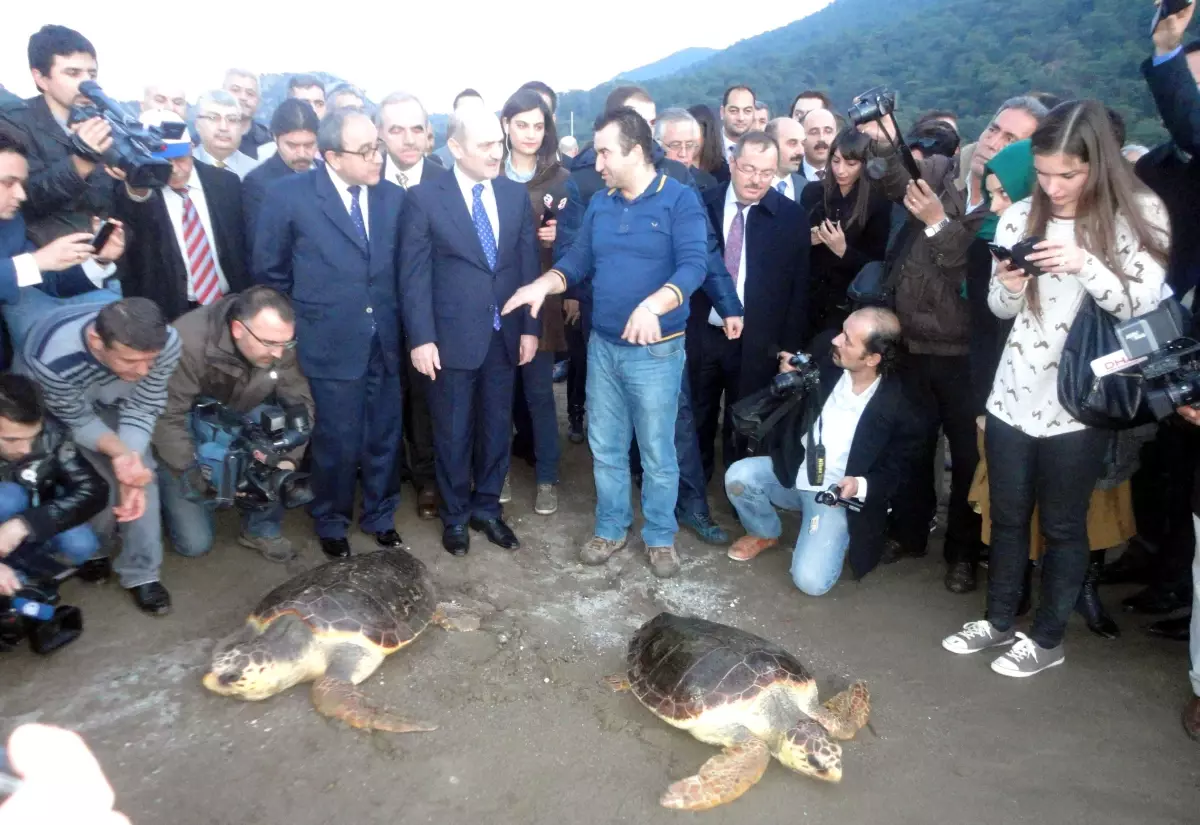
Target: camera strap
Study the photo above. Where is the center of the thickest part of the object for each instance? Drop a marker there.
(815, 455)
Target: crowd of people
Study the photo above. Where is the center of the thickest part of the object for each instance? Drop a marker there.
(413, 301)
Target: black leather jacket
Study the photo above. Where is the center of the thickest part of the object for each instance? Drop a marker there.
(65, 489)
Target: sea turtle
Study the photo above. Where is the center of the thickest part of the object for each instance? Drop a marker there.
(333, 625)
(749, 696)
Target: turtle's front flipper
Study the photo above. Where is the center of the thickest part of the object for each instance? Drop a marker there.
(342, 700)
(452, 617)
(848, 711)
(617, 683)
(721, 779)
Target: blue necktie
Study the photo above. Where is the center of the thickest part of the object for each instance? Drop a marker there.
(781, 188)
(356, 216)
(483, 228)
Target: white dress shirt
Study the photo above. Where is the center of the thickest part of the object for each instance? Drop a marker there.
(729, 144)
(412, 177)
(28, 273)
(835, 429)
(809, 171)
(238, 163)
(730, 214)
(174, 204)
(343, 190)
(488, 196)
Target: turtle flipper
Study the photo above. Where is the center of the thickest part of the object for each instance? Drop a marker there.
(451, 617)
(848, 711)
(721, 779)
(338, 699)
(617, 683)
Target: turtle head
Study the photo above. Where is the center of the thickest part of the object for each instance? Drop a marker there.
(248, 666)
(807, 748)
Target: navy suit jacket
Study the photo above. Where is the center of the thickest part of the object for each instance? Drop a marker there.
(254, 189)
(345, 292)
(449, 291)
(777, 283)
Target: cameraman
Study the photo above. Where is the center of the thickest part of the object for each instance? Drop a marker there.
(927, 271)
(48, 490)
(239, 351)
(867, 434)
(65, 188)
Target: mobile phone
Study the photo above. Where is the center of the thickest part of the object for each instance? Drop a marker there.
(1021, 252)
(1165, 9)
(102, 235)
(1000, 253)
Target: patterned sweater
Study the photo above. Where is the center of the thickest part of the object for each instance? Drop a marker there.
(1025, 391)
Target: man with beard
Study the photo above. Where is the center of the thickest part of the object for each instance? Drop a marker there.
(820, 128)
(294, 126)
(788, 135)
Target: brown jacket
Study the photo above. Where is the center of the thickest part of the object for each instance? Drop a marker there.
(934, 315)
(549, 181)
(211, 366)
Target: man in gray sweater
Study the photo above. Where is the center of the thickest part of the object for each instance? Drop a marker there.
(104, 373)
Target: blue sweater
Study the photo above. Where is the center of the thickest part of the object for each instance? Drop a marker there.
(632, 249)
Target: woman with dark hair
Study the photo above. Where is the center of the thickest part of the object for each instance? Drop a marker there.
(709, 154)
(1105, 239)
(531, 157)
(850, 221)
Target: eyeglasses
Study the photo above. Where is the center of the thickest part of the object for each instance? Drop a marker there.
(764, 174)
(677, 145)
(217, 120)
(269, 344)
(367, 154)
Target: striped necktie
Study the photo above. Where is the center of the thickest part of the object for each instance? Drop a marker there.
(201, 264)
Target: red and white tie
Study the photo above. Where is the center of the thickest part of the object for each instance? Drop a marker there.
(205, 284)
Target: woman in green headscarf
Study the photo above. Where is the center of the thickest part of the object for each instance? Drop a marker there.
(1007, 179)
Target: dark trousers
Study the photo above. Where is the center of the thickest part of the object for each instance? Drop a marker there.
(418, 434)
(1058, 474)
(356, 435)
(577, 336)
(535, 416)
(693, 497)
(472, 432)
(1162, 503)
(939, 387)
(714, 367)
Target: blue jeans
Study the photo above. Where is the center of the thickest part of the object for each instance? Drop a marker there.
(634, 391)
(190, 524)
(693, 496)
(824, 533)
(72, 547)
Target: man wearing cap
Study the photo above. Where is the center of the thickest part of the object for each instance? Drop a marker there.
(191, 245)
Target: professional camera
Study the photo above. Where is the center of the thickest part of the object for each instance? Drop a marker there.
(135, 148)
(805, 377)
(34, 613)
(833, 498)
(875, 105)
(237, 457)
(1170, 361)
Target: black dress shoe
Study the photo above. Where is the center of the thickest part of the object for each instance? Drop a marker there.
(389, 539)
(96, 571)
(456, 539)
(1155, 601)
(894, 551)
(1133, 567)
(1089, 605)
(497, 532)
(962, 577)
(1177, 630)
(336, 548)
(152, 598)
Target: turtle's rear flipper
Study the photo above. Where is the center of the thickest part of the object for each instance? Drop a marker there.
(342, 700)
(452, 617)
(721, 779)
(850, 709)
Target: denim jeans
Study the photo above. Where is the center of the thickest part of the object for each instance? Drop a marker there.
(1058, 474)
(824, 532)
(1194, 641)
(72, 547)
(634, 391)
(693, 494)
(190, 524)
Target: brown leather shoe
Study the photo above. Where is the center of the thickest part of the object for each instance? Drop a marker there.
(427, 503)
(747, 547)
(1191, 718)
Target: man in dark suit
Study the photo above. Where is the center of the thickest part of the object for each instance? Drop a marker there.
(333, 248)
(765, 244)
(864, 427)
(294, 126)
(468, 242)
(188, 244)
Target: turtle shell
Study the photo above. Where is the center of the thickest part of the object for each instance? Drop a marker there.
(386, 597)
(680, 667)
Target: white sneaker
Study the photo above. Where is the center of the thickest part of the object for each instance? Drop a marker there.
(977, 636)
(1027, 657)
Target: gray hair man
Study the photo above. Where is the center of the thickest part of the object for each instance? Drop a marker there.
(404, 128)
(219, 123)
(243, 85)
(678, 133)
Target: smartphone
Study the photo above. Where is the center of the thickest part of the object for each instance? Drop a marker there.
(102, 235)
(1000, 253)
(1021, 251)
(1165, 9)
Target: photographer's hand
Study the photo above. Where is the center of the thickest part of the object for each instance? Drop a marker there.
(9, 583)
(65, 252)
(1168, 36)
(96, 134)
(62, 781)
(920, 200)
(848, 487)
(12, 533)
(784, 362)
(425, 358)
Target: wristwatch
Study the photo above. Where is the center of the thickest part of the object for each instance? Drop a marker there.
(930, 231)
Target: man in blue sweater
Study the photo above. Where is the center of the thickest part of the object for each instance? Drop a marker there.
(644, 243)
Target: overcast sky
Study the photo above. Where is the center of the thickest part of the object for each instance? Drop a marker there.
(571, 45)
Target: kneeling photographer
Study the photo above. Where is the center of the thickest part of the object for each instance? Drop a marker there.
(838, 458)
(238, 355)
(48, 491)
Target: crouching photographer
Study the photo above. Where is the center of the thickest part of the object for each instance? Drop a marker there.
(48, 491)
(838, 458)
(238, 355)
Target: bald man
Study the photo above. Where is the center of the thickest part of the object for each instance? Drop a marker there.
(165, 96)
(788, 135)
(467, 243)
(868, 434)
(820, 128)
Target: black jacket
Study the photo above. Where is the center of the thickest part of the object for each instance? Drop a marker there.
(257, 135)
(65, 489)
(1172, 170)
(59, 200)
(254, 189)
(777, 284)
(153, 265)
(883, 450)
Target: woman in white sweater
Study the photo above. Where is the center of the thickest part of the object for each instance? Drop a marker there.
(1105, 239)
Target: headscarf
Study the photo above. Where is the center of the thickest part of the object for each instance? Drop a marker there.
(1013, 166)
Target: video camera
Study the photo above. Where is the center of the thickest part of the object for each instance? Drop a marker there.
(237, 457)
(833, 498)
(1170, 361)
(34, 613)
(134, 148)
(875, 105)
